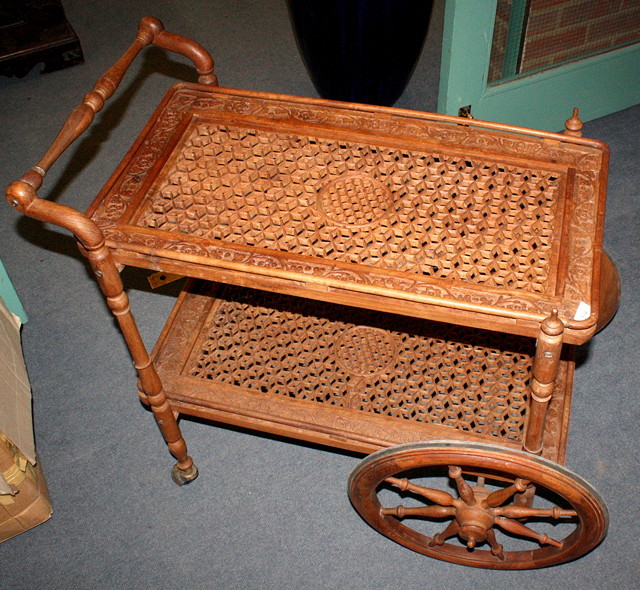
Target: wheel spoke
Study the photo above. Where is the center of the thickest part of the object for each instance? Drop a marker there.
(501, 496)
(517, 528)
(451, 530)
(464, 489)
(496, 548)
(421, 511)
(513, 511)
(436, 496)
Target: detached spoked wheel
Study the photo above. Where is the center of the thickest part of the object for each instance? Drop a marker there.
(478, 504)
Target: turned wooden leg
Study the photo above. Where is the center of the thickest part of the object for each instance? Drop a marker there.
(545, 372)
(150, 384)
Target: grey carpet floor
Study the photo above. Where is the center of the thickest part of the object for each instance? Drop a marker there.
(265, 512)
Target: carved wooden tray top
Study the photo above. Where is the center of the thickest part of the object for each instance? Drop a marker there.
(392, 210)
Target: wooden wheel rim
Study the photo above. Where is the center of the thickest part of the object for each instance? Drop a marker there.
(593, 516)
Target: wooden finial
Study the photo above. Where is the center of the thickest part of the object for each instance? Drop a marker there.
(552, 325)
(573, 126)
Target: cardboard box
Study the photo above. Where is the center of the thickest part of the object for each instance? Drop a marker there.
(24, 499)
(27, 502)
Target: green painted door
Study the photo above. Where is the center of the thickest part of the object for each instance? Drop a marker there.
(9, 295)
(598, 85)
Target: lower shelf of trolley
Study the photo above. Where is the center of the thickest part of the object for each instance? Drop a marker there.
(346, 377)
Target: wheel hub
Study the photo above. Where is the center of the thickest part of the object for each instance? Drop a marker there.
(475, 520)
(476, 512)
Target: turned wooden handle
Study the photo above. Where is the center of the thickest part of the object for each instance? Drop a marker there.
(22, 193)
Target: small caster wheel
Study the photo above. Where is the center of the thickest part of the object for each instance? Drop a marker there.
(184, 476)
(493, 505)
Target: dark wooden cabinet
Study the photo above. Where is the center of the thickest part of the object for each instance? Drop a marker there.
(33, 32)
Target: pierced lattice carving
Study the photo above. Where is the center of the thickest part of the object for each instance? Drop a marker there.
(401, 368)
(354, 199)
(420, 212)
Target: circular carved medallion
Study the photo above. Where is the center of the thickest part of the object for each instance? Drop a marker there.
(365, 351)
(354, 199)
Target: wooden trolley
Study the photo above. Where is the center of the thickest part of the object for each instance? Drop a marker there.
(385, 281)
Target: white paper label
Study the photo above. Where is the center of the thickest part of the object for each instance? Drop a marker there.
(583, 312)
